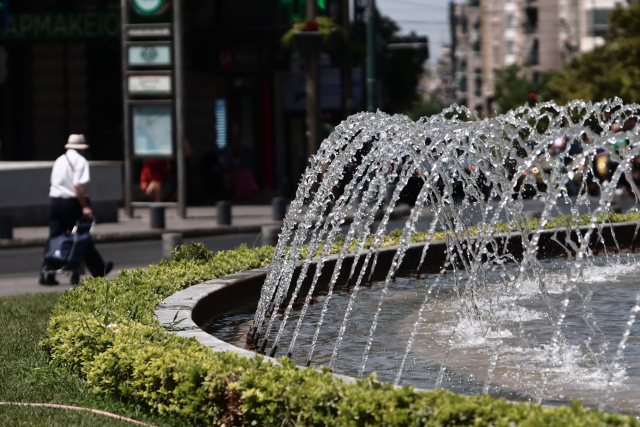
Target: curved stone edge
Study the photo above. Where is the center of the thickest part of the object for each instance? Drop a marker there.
(179, 306)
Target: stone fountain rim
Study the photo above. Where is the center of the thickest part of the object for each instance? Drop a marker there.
(181, 304)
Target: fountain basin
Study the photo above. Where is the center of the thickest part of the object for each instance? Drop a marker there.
(456, 169)
(212, 300)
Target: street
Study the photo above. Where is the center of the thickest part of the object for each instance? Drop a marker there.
(19, 267)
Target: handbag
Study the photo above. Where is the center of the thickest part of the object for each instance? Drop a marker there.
(66, 250)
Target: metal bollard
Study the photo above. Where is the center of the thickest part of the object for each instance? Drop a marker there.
(6, 228)
(156, 216)
(170, 241)
(269, 235)
(279, 208)
(223, 208)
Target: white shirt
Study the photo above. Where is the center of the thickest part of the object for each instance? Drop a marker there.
(69, 169)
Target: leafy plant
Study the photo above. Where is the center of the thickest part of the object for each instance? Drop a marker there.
(512, 88)
(425, 108)
(608, 71)
(133, 358)
(322, 25)
(194, 251)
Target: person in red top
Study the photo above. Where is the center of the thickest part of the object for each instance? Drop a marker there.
(155, 172)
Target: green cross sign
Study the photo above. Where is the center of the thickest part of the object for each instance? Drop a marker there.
(150, 7)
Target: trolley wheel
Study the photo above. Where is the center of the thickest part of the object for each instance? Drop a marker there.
(75, 278)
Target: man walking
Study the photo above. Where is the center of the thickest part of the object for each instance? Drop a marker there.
(69, 203)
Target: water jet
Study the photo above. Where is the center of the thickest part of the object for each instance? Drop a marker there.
(506, 217)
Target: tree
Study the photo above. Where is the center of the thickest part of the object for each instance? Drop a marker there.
(426, 108)
(610, 70)
(512, 89)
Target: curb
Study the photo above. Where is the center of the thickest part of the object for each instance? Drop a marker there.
(180, 306)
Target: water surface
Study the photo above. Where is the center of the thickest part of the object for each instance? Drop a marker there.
(504, 319)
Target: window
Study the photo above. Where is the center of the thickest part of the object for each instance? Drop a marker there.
(462, 83)
(509, 23)
(531, 19)
(599, 22)
(533, 52)
(477, 45)
(510, 48)
(477, 23)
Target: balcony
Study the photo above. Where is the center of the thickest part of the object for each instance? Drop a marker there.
(530, 23)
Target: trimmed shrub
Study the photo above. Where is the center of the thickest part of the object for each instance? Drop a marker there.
(106, 332)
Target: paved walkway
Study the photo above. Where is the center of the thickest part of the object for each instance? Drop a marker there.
(200, 221)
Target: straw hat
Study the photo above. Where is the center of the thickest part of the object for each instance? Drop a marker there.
(77, 142)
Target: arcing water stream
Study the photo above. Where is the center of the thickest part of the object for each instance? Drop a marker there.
(487, 305)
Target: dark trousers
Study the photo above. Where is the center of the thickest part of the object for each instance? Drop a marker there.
(63, 215)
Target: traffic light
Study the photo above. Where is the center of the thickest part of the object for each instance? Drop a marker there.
(4, 13)
(532, 99)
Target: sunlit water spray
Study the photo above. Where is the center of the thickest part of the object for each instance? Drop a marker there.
(494, 319)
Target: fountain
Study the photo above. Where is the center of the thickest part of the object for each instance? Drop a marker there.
(492, 301)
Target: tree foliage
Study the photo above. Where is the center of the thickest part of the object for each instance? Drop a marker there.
(512, 89)
(610, 70)
(426, 108)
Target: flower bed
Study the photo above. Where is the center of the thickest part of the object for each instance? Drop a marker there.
(106, 332)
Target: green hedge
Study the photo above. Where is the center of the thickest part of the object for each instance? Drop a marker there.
(106, 332)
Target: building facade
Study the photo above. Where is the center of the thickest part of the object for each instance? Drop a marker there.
(538, 35)
(58, 75)
(244, 107)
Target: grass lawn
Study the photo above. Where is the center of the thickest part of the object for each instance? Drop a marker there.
(27, 376)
